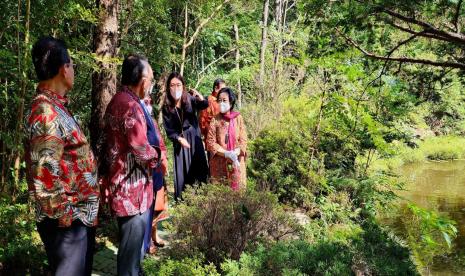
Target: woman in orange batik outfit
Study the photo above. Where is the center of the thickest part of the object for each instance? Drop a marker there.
(227, 142)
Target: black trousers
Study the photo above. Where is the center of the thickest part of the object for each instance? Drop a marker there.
(131, 238)
(70, 250)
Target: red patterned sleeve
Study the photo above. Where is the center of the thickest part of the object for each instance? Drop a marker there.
(47, 181)
(136, 133)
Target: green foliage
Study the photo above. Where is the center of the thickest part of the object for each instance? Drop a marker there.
(219, 223)
(321, 116)
(294, 258)
(184, 267)
(20, 246)
(428, 234)
(281, 155)
(372, 252)
(439, 148)
(281, 163)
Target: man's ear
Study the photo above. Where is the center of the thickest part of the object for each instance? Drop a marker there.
(64, 70)
(141, 82)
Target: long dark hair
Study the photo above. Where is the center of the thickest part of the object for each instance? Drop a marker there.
(169, 102)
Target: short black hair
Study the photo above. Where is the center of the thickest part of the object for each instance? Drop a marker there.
(48, 55)
(217, 83)
(132, 69)
(231, 96)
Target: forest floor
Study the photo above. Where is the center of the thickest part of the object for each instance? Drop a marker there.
(105, 257)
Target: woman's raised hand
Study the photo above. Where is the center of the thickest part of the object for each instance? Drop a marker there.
(196, 93)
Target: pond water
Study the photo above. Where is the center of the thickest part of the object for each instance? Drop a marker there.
(439, 186)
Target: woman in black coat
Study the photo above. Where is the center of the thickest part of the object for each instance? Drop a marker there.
(181, 124)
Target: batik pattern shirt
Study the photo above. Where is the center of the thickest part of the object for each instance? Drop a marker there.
(207, 115)
(61, 170)
(129, 155)
(216, 140)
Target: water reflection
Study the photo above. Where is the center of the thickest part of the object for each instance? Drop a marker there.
(438, 186)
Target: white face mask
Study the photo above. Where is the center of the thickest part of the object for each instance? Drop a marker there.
(147, 106)
(149, 109)
(178, 93)
(224, 107)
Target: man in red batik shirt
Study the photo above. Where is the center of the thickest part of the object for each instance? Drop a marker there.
(61, 170)
(130, 157)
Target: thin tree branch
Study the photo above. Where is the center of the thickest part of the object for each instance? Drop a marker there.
(127, 24)
(404, 42)
(291, 6)
(205, 22)
(457, 15)
(209, 65)
(422, 34)
(403, 59)
(456, 37)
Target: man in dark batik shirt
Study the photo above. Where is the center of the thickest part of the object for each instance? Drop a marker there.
(130, 158)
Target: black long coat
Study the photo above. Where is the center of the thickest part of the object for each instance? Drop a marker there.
(190, 165)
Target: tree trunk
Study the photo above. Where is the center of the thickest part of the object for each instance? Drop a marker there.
(104, 80)
(316, 132)
(23, 87)
(184, 41)
(279, 18)
(261, 76)
(238, 58)
(3, 152)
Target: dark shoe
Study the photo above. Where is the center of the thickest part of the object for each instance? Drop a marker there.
(159, 244)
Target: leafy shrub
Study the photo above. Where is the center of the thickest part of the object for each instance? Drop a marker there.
(220, 223)
(293, 161)
(293, 258)
(382, 252)
(280, 155)
(184, 267)
(371, 253)
(429, 234)
(20, 247)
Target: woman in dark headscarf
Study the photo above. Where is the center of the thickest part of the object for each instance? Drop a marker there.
(180, 110)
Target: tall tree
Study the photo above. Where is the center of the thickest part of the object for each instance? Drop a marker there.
(104, 79)
(187, 41)
(266, 5)
(22, 56)
(237, 61)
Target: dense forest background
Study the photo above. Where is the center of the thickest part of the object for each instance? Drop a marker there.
(336, 95)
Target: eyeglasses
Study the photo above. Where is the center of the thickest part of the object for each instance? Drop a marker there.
(150, 79)
(72, 65)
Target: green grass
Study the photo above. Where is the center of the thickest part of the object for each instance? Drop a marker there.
(441, 148)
